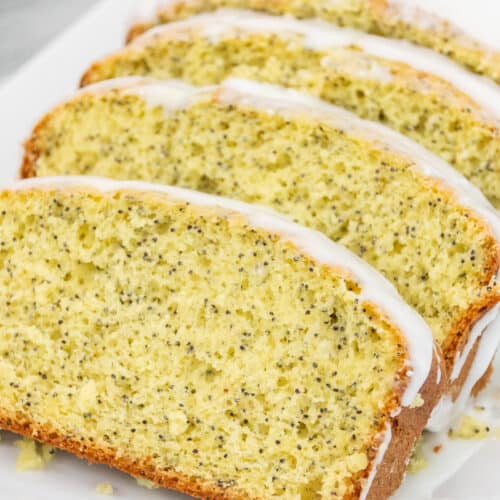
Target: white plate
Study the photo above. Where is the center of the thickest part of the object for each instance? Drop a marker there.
(45, 81)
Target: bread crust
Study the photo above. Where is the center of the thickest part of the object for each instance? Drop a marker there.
(406, 429)
(483, 381)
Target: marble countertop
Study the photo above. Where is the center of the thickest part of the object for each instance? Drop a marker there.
(27, 25)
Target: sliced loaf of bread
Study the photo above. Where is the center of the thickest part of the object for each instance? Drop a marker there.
(204, 344)
(413, 90)
(401, 19)
(411, 216)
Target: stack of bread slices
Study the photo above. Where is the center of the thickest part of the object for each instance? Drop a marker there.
(258, 252)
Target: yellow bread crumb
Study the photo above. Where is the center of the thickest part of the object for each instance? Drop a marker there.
(470, 428)
(177, 423)
(87, 396)
(417, 462)
(145, 483)
(104, 489)
(418, 401)
(32, 456)
(357, 462)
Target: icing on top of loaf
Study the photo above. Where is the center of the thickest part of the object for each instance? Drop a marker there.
(321, 35)
(273, 99)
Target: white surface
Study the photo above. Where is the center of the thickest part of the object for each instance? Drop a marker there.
(52, 76)
(22, 33)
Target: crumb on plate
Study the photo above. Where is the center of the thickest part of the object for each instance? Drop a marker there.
(32, 456)
(145, 483)
(470, 428)
(104, 489)
(417, 461)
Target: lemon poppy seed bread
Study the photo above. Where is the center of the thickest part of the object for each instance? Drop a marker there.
(206, 345)
(384, 197)
(389, 18)
(421, 94)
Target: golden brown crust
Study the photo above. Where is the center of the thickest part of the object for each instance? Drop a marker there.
(459, 335)
(88, 77)
(21, 424)
(455, 387)
(483, 381)
(31, 150)
(406, 428)
(137, 30)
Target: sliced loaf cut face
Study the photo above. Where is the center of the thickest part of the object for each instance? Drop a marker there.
(390, 18)
(387, 199)
(423, 95)
(206, 345)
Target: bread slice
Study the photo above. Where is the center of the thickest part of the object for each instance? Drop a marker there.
(204, 344)
(389, 18)
(412, 90)
(394, 204)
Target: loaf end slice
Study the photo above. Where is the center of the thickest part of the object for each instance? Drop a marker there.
(206, 345)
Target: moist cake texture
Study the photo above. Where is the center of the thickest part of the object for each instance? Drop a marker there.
(318, 164)
(453, 115)
(389, 18)
(204, 349)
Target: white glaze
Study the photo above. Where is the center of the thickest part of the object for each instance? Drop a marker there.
(374, 287)
(438, 371)
(410, 12)
(320, 35)
(378, 460)
(413, 12)
(180, 95)
(425, 14)
(448, 410)
(475, 333)
(287, 102)
(146, 10)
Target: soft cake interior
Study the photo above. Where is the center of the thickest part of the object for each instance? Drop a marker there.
(366, 198)
(164, 331)
(418, 106)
